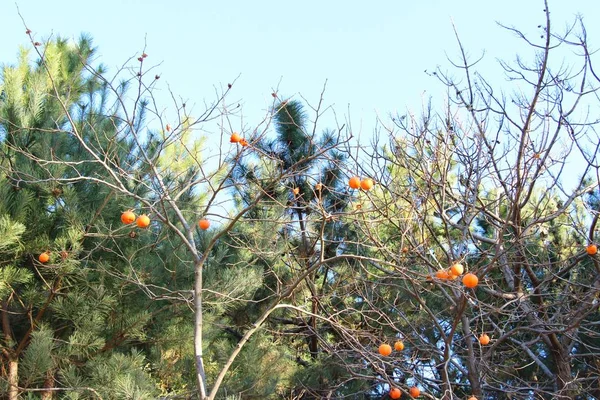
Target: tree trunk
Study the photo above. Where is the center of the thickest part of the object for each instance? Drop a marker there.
(305, 254)
(472, 364)
(444, 386)
(564, 380)
(13, 379)
(13, 360)
(200, 373)
(314, 340)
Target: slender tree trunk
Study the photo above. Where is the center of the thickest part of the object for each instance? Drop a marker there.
(472, 364)
(443, 372)
(13, 379)
(200, 373)
(13, 360)
(313, 344)
(314, 340)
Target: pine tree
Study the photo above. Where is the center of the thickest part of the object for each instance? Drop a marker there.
(301, 221)
(60, 325)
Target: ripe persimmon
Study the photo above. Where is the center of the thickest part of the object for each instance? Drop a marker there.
(354, 182)
(484, 339)
(143, 221)
(395, 393)
(457, 269)
(367, 184)
(204, 224)
(399, 345)
(385, 349)
(235, 137)
(44, 257)
(470, 280)
(472, 398)
(414, 392)
(451, 275)
(244, 142)
(442, 274)
(296, 191)
(592, 249)
(127, 217)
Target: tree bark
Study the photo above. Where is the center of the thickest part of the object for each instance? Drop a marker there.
(305, 254)
(9, 354)
(200, 373)
(564, 380)
(472, 364)
(13, 379)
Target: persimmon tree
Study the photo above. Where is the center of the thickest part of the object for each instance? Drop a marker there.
(505, 182)
(85, 137)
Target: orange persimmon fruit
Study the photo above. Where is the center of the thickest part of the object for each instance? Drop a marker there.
(204, 224)
(367, 184)
(385, 349)
(457, 269)
(442, 274)
(127, 217)
(143, 221)
(592, 249)
(44, 257)
(235, 137)
(470, 280)
(414, 392)
(484, 339)
(354, 182)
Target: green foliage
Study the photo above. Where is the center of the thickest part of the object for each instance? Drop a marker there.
(37, 359)
(11, 277)
(10, 232)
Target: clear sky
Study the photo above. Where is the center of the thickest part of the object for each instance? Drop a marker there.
(372, 53)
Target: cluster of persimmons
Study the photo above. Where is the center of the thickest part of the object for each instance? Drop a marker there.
(128, 217)
(470, 281)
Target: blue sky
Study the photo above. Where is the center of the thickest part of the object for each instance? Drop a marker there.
(373, 54)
